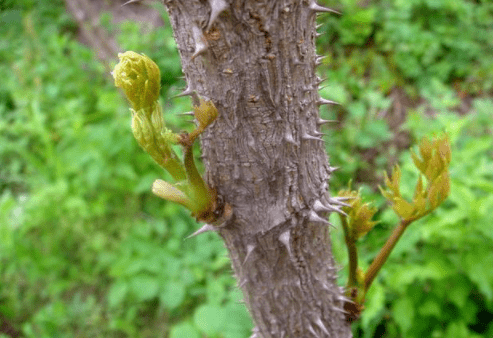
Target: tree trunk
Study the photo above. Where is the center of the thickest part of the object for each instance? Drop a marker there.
(264, 154)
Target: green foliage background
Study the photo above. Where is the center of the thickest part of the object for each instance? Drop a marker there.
(87, 251)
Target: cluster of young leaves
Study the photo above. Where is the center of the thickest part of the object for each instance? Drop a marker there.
(433, 165)
(433, 280)
(139, 77)
(359, 215)
(356, 221)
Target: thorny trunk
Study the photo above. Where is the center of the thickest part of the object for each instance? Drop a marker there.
(265, 156)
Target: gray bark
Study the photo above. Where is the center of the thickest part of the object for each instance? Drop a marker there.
(264, 154)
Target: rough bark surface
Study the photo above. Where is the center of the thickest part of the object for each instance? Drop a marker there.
(265, 156)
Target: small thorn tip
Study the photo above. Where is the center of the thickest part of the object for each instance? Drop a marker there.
(321, 325)
(309, 137)
(203, 229)
(129, 2)
(322, 121)
(316, 8)
(185, 92)
(284, 238)
(250, 248)
(217, 6)
(322, 101)
(313, 217)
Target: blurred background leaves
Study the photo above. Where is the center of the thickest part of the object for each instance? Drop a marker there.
(87, 251)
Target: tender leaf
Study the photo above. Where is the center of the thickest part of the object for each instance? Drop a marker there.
(210, 319)
(403, 208)
(184, 330)
(139, 77)
(403, 313)
(168, 192)
(117, 293)
(144, 286)
(172, 295)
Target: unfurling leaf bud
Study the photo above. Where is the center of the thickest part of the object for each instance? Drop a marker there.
(433, 165)
(205, 113)
(359, 219)
(139, 77)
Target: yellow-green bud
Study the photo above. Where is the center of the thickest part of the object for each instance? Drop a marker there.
(139, 77)
(137, 128)
(157, 120)
(205, 113)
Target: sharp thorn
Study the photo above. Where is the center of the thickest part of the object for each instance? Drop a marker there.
(203, 229)
(186, 114)
(316, 8)
(199, 50)
(343, 198)
(309, 137)
(289, 138)
(318, 26)
(338, 201)
(319, 59)
(129, 2)
(318, 134)
(339, 210)
(321, 325)
(186, 92)
(217, 6)
(319, 207)
(322, 121)
(200, 42)
(313, 217)
(322, 101)
(250, 248)
(284, 238)
(339, 310)
(310, 328)
(343, 299)
(320, 80)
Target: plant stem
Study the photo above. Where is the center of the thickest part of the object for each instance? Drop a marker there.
(201, 195)
(384, 253)
(175, 168)
(352, 253)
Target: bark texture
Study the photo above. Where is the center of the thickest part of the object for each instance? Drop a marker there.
(265, 156)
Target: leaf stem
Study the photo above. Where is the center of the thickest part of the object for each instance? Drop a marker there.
(352, 253)
(384, 253)
(199, 189)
